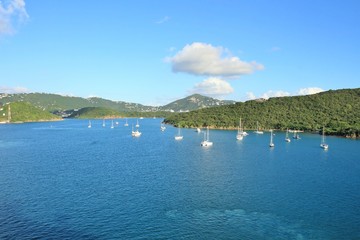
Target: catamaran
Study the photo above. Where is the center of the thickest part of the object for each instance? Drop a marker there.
(296, 135)
(206, 142)
(323, 144)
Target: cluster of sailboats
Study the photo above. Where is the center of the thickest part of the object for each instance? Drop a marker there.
(206, 141)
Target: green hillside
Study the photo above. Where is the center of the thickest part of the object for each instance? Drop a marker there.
(59, 103)
(25, 112)
(338, 111)
(95, 112)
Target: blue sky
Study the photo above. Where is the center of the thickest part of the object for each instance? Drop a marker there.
(154, 52)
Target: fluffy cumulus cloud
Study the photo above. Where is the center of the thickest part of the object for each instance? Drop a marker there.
(250, 96)
(12, 12)
(207, 60)
(271, 93)
(309, 91)
(214, 87)
(11, 90)
(280, 93)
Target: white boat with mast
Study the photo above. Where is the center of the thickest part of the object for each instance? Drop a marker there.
(89, 125)
(271, 139)
(126, 123)
(103, 124)
(135, 133)
(179, 136)
(112, 123)
(296, 135)
(206, 142)
(287, 139)
(162, 127)
(323, 144)
(137, 123)
(240, 133)
(257, 129)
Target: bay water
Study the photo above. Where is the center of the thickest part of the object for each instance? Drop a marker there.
(63, 180)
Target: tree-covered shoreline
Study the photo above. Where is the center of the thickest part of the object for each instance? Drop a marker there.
(338, 111)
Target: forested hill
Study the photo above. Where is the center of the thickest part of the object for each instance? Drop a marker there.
(337, 110)
(24, 112)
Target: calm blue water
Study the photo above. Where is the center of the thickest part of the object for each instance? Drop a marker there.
(61, 180)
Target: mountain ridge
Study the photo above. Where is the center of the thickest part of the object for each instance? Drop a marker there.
(59, 103)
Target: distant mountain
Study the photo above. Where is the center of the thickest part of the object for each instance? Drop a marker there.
(59, 103)
(194, 102)
(62, 104)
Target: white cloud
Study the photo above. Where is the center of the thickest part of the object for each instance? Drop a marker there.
(281, 93)
(163, 20)
(309, 91)
(250, 96)
(205, 59)
(271, 93)
(11, 90)
(214, 87)
(275, 49)
(11, 14)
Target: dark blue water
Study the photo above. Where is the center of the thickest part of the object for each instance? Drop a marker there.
(61, 180)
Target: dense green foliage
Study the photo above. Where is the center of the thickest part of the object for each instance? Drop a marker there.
(95, 112)
(338, 111)
(25, 112)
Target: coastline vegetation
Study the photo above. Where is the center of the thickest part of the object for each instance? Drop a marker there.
(25, 112)
(338, 111)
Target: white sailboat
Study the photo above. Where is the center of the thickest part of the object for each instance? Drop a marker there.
(103, 122)
(179, 136)
(137, 123)
(257, 129)
(126, 123)
(89, 125)
(271, 139)
(112, 123)
(198, 130)
(287, 139)
(323, 143)
(135, 133)
(206, 142)
(162, 127)
(240, 133)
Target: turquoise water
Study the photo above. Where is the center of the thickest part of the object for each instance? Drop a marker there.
(62, 180)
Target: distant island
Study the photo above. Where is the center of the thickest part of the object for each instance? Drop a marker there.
(336, 110)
